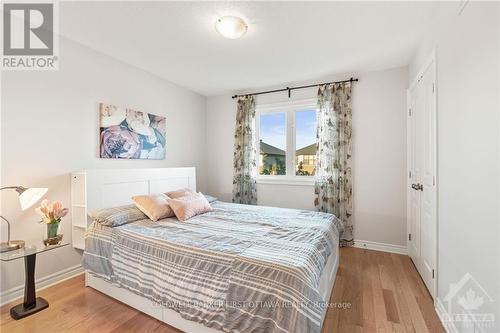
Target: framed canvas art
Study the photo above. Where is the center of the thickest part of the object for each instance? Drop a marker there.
(131, 134)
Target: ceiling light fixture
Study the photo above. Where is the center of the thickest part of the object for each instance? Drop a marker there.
(231, 27)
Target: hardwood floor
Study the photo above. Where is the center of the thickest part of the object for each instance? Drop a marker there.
(385, 292)
(381, 292)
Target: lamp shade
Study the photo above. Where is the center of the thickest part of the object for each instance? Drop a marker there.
(29, 196)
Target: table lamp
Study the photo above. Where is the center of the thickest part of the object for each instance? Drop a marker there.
(27, 198)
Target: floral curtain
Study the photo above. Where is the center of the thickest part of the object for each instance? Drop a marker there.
(333, 182)
(245, 162)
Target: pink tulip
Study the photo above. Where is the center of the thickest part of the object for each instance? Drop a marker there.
(63, 212)
(51, 211)
(45, 203)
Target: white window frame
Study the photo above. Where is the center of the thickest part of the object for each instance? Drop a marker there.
(289, 109)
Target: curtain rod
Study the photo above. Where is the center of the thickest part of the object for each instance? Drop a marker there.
(289, 89)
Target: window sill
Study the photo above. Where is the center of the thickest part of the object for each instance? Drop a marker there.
(285, 181)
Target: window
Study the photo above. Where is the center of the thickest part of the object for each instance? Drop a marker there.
(272, 144)
(305, 142)
(286, 135)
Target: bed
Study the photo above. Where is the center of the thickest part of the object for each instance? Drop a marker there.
(238, 268)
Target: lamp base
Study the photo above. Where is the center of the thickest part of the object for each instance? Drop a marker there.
(20, 311)
(12, 245)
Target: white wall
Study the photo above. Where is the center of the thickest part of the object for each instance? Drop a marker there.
(468, 148)
(50, 128)
(379, 154)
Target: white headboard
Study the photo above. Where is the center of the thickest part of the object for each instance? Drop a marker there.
(96, 189)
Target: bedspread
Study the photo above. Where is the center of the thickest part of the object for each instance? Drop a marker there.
(239, 268)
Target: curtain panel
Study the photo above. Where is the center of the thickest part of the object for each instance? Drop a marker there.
(333, 179)
(245, 154)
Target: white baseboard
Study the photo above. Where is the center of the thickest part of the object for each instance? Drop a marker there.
(362, 244)
(42, 283)
(449, 326)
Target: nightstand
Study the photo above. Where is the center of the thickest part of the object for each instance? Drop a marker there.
(31, 304)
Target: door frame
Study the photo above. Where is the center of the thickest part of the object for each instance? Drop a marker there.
(430, 61)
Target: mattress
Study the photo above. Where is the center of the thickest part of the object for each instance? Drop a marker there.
(237, 268)
(328, 276)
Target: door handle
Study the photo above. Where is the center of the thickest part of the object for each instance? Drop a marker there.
(417, 187)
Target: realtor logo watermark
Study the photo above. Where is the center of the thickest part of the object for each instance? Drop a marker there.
(467, 303)
(30, 36)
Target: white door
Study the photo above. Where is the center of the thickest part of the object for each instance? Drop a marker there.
(422, 194)
(414, 174)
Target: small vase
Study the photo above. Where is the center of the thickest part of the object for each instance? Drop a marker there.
(54, 234)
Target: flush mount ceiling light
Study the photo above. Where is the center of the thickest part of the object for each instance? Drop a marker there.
(231, 27)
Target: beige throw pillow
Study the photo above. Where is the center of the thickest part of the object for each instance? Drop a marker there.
(155, 206)
(189, 206)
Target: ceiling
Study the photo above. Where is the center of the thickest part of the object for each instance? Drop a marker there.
(286, 41)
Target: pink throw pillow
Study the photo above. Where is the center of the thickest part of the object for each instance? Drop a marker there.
(180, 193)
(188, 206)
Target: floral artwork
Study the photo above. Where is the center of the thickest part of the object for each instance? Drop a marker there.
(131, 134)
